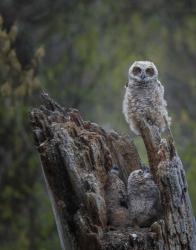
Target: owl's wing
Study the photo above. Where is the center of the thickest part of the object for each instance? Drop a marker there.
(161, 88)
(161, 92)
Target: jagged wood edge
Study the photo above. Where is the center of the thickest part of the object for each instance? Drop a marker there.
(165, 166)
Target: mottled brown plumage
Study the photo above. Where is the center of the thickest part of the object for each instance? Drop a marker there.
(143, 199)
(116, 201)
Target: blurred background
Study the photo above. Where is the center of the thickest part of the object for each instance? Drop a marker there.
(80, 52)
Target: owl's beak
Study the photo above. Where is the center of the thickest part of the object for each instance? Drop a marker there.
(143, 76)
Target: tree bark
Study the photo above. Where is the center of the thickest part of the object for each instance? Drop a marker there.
(77, 157)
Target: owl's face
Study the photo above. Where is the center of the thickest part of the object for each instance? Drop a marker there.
(140, 176)
(143, 72)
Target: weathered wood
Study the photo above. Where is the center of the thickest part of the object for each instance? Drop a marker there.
(77, 159)
(179, 229)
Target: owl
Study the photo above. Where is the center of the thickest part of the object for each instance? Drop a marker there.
(116, 200)
(144, 97)
(144, 202)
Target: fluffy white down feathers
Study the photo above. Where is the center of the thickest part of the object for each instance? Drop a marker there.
(144, 97)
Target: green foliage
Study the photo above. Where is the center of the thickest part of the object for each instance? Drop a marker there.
(23, 201)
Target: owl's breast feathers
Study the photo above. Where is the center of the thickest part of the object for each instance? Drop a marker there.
(145, 102)
(142, 100)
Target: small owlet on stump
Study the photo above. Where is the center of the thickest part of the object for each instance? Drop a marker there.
(144, 97)
(144, 201)
(116, 200)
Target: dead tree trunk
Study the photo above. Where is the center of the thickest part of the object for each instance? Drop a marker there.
(77, 157)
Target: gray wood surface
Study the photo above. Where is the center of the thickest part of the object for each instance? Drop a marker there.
(90, 209)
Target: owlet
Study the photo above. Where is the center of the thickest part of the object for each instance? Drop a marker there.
(144, 202)
(144, 97)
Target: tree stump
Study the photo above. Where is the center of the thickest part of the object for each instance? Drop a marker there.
(77, 159)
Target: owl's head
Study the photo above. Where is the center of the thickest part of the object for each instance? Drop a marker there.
(143, 72)
(139, 176)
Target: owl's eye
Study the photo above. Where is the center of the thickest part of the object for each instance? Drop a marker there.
(136, 71)
(150, 72)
